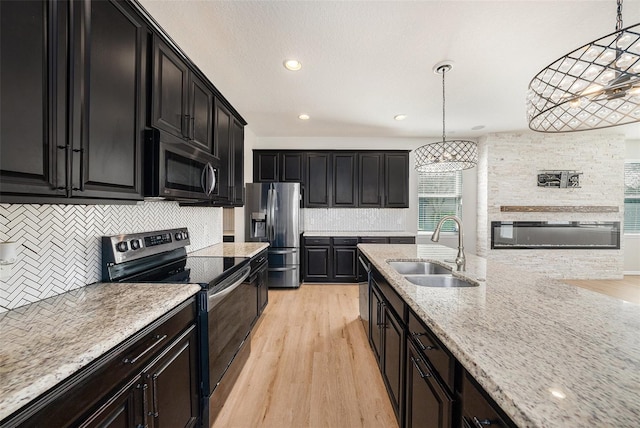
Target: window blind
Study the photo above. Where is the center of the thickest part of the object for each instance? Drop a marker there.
(632, 197)
(438, 195)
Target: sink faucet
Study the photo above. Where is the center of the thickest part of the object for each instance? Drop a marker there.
(461, 260)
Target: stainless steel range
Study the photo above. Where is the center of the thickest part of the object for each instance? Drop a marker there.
(226, 305)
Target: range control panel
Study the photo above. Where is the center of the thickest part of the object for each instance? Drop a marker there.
(118, 249)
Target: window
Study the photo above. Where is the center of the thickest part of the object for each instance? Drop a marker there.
(438, 195)
(632, 197)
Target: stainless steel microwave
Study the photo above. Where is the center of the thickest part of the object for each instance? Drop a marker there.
(174, 169)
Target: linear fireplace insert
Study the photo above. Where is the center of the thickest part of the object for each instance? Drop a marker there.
(588, 235)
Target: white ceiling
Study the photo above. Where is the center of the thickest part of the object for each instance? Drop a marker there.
(366, 61)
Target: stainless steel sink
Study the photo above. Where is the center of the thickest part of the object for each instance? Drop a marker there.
(419, 268)
(445, 281)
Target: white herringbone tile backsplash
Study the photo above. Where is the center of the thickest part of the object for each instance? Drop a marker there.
(60, 248)
(355, 219)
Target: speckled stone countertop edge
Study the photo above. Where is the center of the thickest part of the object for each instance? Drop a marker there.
(350, 234)
(231, 249)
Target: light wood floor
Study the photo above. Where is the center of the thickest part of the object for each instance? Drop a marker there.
(626, 289)
(310, 366)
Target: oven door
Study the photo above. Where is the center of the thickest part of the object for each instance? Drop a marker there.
(177, 170)
(230, 313)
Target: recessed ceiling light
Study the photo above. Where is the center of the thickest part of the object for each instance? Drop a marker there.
(303, 117)
(292, 65)
(400, 116)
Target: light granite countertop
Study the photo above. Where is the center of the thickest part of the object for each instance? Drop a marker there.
(231, 249)
(550, 354)
(357, 234)
(43, 343)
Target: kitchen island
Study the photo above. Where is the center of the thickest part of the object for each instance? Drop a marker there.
(549, 354)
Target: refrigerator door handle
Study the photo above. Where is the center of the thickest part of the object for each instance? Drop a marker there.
(274, 203)
(269, 196)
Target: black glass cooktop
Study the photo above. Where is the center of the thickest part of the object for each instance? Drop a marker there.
(205, 271)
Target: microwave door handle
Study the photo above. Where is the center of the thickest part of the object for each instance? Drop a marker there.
(203, 178)
(212, 180)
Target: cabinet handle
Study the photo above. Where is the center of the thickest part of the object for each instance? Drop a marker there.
(422, 346)
(193, 127)
(144, 404)
(153, 345)
(420, 372)
(481, 423)
(81, 151)
(155, 395)
(185, 126)
(380, 323)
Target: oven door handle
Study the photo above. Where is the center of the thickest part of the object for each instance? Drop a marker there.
(216, 298)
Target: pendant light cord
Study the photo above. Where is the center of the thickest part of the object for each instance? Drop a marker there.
(619, 17)
(444, 70)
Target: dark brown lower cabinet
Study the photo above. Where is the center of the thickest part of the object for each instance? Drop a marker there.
(123, 410)
(428, 404)
(478, 410)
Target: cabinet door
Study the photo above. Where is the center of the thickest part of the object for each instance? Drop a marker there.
(317, 263)
(345, 187)
(127, 408)
(263, 289)
(345, 263)
(292, 167)
(238, 163)
(393, 343)
(370, 174)
(396, 181)
(265, 166)
(375, 322)
(427, 403)
(170, 89)
(201, 117)
(172, 380)
(32, 104)
(318, 166)
(222, 141)
(108, 101)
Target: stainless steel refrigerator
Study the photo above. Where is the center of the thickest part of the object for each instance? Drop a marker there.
(273, 215)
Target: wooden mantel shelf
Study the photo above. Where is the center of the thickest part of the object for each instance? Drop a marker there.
(560, 209)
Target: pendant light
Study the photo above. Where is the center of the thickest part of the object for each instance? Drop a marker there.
(446, 155)
(595, 86)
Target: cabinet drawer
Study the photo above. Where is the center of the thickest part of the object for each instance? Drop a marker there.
(317, 241)
(402, 240)
(351, 242)
(478, 409)
(438, 356)
(374, 240)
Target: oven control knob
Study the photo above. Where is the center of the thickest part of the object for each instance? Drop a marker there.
(179, 236)
(135, 244)
(122, 246)
(185, 235)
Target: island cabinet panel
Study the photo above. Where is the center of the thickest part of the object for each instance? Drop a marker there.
(73, 83)
(388, 340)
(318, 182)
(477, 407)
(428, 404)
(149, 380)
(371, 180)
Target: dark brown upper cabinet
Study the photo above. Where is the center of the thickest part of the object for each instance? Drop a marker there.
(396, 180)
(345, 178)
(237, 130)
(283, 166)
(82, 139)
(370, 179)
(318, 180)
(182, 102)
